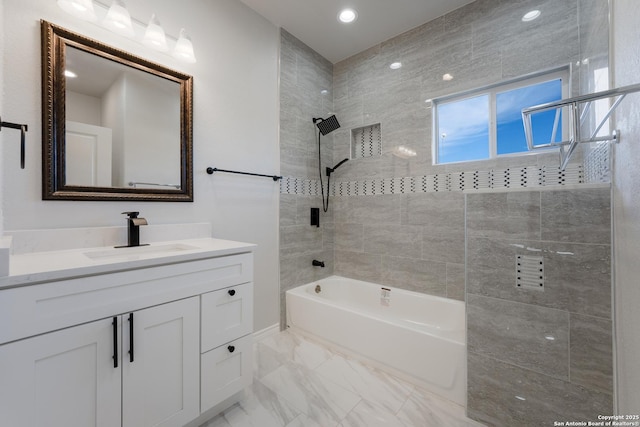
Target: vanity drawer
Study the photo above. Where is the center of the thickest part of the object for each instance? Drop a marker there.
(225, 371)
(226, 315)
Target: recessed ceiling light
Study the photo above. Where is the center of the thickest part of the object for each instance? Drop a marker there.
(347, 16)
(531, 15)
(447, 77)
(70, 74)
(395, 65)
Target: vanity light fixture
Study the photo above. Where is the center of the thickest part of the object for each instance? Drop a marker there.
(118, 19)
(531, 15)
(347, 16)
(395, 65)
(154, 35)
(184, 48)
(82, 9)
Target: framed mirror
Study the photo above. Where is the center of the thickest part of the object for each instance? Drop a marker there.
(115, 126)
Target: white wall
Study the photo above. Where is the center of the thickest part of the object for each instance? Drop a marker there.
(626, 178)
(83, 108)
(235, 126)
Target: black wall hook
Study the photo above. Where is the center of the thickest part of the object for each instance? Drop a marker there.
(23, 129)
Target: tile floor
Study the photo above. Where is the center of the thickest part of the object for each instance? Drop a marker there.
(300, 383)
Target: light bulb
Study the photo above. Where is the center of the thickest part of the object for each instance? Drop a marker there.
(118, 19)
(347, 16)
(184, 48)
(154, 35)
(82, 9)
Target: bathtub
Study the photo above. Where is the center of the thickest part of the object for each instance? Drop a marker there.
(418, 337)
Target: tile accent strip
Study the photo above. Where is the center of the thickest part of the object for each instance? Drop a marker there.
(521, 177)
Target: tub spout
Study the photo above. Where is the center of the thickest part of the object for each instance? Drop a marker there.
(317, 263)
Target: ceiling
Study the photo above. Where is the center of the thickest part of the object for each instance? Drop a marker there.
(315, 22)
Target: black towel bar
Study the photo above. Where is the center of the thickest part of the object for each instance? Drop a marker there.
(211, 170)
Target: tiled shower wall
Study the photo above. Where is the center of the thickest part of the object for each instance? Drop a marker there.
(538, 356)
(304, 78)
(416, 241)
(413, 240)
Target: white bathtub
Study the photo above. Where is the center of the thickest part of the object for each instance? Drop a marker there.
(419, 337)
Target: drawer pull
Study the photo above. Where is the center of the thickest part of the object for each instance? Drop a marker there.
(114, 323)
(130, 337)
(232, 292)
(231, 349)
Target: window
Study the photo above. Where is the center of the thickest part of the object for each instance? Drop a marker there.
(487, 123)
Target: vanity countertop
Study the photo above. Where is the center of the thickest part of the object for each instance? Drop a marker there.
(39, 267)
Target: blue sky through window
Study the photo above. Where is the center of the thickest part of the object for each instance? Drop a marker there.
(463, 130)
(509, 104)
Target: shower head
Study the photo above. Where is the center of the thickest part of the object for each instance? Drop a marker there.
(327, 125)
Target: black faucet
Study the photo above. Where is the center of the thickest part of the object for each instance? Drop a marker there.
(133, 234)
(317, 263)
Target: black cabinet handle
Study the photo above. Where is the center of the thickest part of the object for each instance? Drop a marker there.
(232, 292)
(231, 349)
(130, 337)
(115, 341)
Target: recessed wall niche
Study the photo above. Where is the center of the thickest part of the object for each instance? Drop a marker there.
(366, 141)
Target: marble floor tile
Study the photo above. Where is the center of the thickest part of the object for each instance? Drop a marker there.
(303, 421)
(261, 407)
(266, 360)
(300, 383)
(366, 414)
(322, 400)
(372, 385)
(298, 350)
(426, 409)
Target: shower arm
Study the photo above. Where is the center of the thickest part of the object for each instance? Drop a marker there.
(329, 170)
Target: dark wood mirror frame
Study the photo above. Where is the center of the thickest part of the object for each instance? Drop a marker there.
(55, 39)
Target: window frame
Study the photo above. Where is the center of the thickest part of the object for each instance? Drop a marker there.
(563, 73)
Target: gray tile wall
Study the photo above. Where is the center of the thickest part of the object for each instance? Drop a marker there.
(303, 76)
(479, 44)
(538, 357)
(416, 241)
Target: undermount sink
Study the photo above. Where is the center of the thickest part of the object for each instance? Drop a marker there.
(148, 251)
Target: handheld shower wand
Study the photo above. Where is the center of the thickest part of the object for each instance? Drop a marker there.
(329, 170)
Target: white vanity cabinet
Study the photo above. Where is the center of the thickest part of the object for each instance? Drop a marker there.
(79, 376)
(66, 346)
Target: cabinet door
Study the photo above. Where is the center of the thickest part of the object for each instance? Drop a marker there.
(161, 377)
(65, 378)
(226, 315)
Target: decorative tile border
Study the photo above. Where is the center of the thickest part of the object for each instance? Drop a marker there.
(522, 177)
